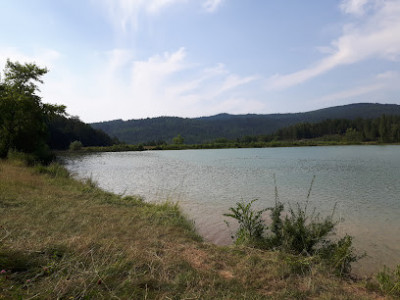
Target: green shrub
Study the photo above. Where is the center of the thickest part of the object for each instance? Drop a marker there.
(54, 170)
(75, 146)
(251, 226)
(26, 159)
(298, 233)
(304, 234)
(340, 255)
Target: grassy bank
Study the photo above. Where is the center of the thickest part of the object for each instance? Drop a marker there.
(61, 238)
(272, 144)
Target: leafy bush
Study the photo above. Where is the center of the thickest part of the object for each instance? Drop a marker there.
(297, 233)
(303, 234)
(251, 226)
(340, 255)
(75, 146)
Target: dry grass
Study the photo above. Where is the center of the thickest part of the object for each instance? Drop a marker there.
(61, 238)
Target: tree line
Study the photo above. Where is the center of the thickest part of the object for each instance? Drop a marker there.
(385, 129)
(63, 131)
(206, 130)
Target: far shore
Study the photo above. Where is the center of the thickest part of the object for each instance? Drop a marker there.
(274, 144)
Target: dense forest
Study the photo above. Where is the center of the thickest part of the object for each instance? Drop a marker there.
(385, 128)
(62, 131)
(232, 127)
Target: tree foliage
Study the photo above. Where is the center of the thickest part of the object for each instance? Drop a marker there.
(23, 116)
(385, 128)
(31, 126)
(178, 140)
(63, 131)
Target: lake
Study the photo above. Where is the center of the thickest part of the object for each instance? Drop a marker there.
(363, 182)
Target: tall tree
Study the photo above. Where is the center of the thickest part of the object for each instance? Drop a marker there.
(22, 114)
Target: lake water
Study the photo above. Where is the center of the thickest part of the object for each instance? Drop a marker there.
(362, 181)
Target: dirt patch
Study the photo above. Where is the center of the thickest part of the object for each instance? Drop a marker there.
(200, 260)
(197, 258)
(226, 274)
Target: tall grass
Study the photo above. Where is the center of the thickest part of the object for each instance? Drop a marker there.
(389, 281)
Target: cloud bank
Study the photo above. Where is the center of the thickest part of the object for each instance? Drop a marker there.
(374, 34)
(169, 84)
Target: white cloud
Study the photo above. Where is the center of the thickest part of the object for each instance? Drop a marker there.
(121, 87)
(389, 75)
(382, 82)
(169, 84)
(350, 94)
(155, 6)
(125, 14)
(374, 36)
(356, 7)
(118, 58)
(212, 5)
(232, 81)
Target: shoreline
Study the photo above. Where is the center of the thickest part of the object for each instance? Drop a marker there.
(71, 239)
(129, 148)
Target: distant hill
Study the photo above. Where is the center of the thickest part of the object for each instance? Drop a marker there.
(205, 129)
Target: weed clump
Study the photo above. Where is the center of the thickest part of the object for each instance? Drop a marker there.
(251, 226)
(389, 281)
(305, 237)
(54, 170)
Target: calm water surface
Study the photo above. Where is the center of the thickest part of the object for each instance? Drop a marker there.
(363, 182)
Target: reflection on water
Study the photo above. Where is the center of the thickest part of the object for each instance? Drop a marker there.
(363, 182)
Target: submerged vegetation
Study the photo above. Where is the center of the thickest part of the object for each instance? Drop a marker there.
(60, 238)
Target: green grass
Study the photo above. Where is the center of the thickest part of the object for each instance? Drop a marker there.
(61, 238)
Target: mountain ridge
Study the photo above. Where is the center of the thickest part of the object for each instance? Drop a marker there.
(230, 126)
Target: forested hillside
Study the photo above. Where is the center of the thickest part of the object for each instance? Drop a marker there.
(63, 131)
(206, 129)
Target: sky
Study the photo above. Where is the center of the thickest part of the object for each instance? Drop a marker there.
(131, 59)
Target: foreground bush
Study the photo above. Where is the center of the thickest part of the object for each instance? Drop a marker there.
(297, 233)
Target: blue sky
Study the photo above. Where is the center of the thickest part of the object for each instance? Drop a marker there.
(127, 59)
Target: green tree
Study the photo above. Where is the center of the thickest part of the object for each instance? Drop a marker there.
(75, 146)
(384, 130)
(178, 140)
(23, 116)
(352, 135)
